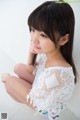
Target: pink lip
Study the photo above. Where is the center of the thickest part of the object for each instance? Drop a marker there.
(37, 47)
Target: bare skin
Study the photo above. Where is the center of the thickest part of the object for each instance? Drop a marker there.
(17, 88)
(25, 72)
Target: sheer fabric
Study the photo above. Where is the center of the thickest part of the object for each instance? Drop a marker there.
(52, 88)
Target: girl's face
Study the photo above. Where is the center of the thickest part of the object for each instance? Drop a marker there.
(41, 43)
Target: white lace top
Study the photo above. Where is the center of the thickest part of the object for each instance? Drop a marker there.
(52, 88)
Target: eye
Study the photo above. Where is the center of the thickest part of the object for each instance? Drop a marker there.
(44, 35)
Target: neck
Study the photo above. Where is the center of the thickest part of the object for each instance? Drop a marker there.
(53, 58)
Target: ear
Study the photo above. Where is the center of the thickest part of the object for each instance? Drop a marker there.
(64, 39)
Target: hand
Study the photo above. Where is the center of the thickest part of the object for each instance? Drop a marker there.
(33, 50)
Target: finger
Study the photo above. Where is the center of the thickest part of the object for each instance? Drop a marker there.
(33, 51)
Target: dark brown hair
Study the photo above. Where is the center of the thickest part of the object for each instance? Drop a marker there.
(52, 17)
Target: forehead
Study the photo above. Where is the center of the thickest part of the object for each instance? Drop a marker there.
(41, 20)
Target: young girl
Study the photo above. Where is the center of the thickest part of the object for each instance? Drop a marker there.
(46, 83)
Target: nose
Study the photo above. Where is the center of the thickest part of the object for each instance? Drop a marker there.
(35, 38)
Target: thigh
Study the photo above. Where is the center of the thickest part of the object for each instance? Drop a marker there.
(24, 83)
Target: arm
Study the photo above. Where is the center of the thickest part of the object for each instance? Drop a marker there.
(26, 71)
(31, 59)
(30, 65)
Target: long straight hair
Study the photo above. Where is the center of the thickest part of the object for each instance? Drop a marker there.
(51, 18)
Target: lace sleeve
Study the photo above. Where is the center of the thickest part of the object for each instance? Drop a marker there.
(58, 88)
(55, 93)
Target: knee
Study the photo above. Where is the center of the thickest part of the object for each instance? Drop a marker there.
(17, 67)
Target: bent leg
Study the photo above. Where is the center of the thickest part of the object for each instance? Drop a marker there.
(15, 87)
(22, 71)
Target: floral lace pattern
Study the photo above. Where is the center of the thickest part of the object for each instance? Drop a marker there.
(52, 89)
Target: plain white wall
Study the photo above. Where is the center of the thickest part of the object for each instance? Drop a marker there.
(14, 34)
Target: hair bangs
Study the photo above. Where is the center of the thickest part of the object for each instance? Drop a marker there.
(39, 21)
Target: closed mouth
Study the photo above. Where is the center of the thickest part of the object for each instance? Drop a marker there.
(37, 47)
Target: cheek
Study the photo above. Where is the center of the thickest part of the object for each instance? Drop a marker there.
(47, 45)
(31, 36)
